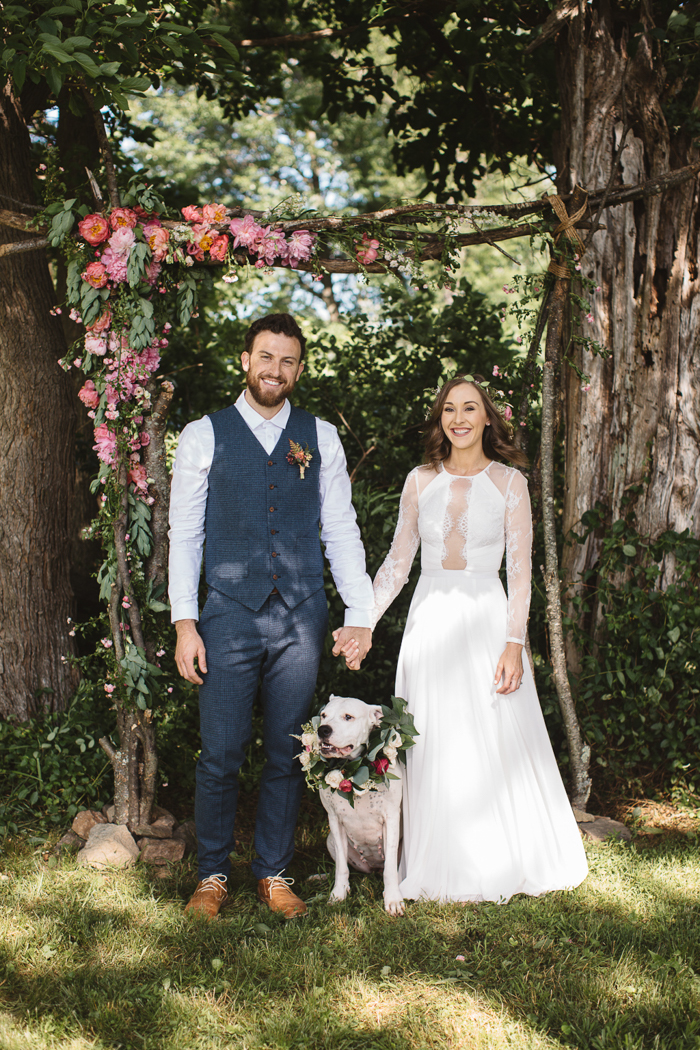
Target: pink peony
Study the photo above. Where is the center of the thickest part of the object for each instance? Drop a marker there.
(192, 214)
(152, 272)
(95, 345)
(272, 245)
(380, 765)
(300, 244)
(157, 239)
(109, 688)
(246, 232)
(123, 218)
(367, 253)
(122, 240)
(219, 247)
(102, 322)
(496, 370)
(94, 229)
(507, 412)
(214, 213)
(95, 274)
(116, 255)
(345, 785)
(88, 395)
(203, 240)
(145, 439)
(106, 443)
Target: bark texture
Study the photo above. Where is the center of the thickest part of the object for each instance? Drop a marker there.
(641, 416)
(36, 460)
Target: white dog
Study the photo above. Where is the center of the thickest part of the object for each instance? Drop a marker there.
(366, 835)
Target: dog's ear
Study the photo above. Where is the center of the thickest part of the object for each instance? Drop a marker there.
(377, 715)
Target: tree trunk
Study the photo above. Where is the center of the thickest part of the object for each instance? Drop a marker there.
(37, 421)
(641, 417)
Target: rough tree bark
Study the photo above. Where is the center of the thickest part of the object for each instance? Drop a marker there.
(37, 419)
(642, 414)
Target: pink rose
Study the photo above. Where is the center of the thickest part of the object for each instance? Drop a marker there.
(95, 345)
(138, 477)
(367, 253)
(345, 785)
(272, 244)
(157, 239)
(219, 247)
(123, 218)
(109, 688)
(102, 322)
(246, 232)
(94, 229)
(214, 213)
(106, 443)
(380, 765)
(145, 439)
(88, 395)
(507, 412)
(95, 274)
(192, 214)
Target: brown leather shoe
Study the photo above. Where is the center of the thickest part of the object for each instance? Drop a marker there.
(209, 897)
(275, 892)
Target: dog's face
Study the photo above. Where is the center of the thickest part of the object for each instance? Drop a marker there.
(345, 726)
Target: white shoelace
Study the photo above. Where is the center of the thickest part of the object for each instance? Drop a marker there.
(214, 882)
(279, 878)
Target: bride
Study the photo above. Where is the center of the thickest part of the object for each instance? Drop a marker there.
(485, 811)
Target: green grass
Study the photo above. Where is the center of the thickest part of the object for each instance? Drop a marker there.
(107, 960)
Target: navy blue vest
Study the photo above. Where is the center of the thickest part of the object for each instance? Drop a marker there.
(262, 522)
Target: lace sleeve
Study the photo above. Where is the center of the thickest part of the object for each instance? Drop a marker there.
(395, 568)
(518, 528)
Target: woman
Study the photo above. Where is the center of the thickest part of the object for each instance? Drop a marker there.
(485, 811)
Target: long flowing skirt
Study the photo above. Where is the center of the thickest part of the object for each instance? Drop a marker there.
(485, 811)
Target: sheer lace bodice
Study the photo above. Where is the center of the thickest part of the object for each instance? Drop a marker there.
(463, 525)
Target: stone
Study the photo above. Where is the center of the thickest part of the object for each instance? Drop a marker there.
(86, 820)
(187, 833)
(581, 817)
(69, 843)
(161, 851)
(163, 816)
(603, 827)
(108, 813)
(153, 831)
(109, 846)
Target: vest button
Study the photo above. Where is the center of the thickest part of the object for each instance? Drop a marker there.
(274, 554)
(272, 486)
(272, 510)
(270, 463)
(275, 577)
(273, 532)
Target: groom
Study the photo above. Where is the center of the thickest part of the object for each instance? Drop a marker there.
(237, 484)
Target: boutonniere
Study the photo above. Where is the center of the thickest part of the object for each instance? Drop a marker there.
(298, 456)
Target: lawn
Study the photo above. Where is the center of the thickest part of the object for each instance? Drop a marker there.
(107, 960)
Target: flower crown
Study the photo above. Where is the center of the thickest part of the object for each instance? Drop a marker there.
(497, 397)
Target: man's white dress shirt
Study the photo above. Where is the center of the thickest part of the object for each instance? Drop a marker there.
(188, 504)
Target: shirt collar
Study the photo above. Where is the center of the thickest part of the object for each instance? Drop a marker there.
(255, 420)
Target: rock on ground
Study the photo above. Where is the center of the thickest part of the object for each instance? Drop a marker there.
(600, 828)
(86, 820)
(161, 851)
(109, 846)
(187, 833)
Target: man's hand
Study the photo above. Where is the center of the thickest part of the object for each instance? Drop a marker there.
(189, 648)
(510, 668)
(354, 643)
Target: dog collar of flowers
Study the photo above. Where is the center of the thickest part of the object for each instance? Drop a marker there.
(298, 456)
(388, 743)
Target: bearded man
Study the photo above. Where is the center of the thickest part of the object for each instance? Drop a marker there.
(258, 480)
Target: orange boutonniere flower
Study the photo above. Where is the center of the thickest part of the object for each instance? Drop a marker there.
(298, 456)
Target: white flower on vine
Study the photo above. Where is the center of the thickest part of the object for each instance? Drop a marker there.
(334, 779)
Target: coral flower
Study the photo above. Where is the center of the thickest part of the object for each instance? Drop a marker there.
(192, 214)
(219, 247)
(367, 253)
(214, 213)
(106, 442)
(95, 274)
(102, 323)
(94, 229)
(157, 239)
(123, 218)
(88, 395)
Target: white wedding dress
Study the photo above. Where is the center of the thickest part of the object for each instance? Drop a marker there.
(485, 811)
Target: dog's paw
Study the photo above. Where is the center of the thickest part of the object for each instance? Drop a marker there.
(339, 894)
(394, 907)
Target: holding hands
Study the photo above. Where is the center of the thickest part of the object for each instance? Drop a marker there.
(353, 643)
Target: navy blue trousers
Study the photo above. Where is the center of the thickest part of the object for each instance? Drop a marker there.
(279, 648)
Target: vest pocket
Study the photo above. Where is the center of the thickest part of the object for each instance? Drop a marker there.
(307, 553)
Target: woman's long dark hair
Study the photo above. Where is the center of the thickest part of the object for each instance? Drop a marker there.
(496, 440)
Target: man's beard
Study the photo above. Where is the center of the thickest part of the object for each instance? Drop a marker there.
(264, 395)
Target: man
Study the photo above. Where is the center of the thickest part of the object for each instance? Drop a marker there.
(266, 617)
